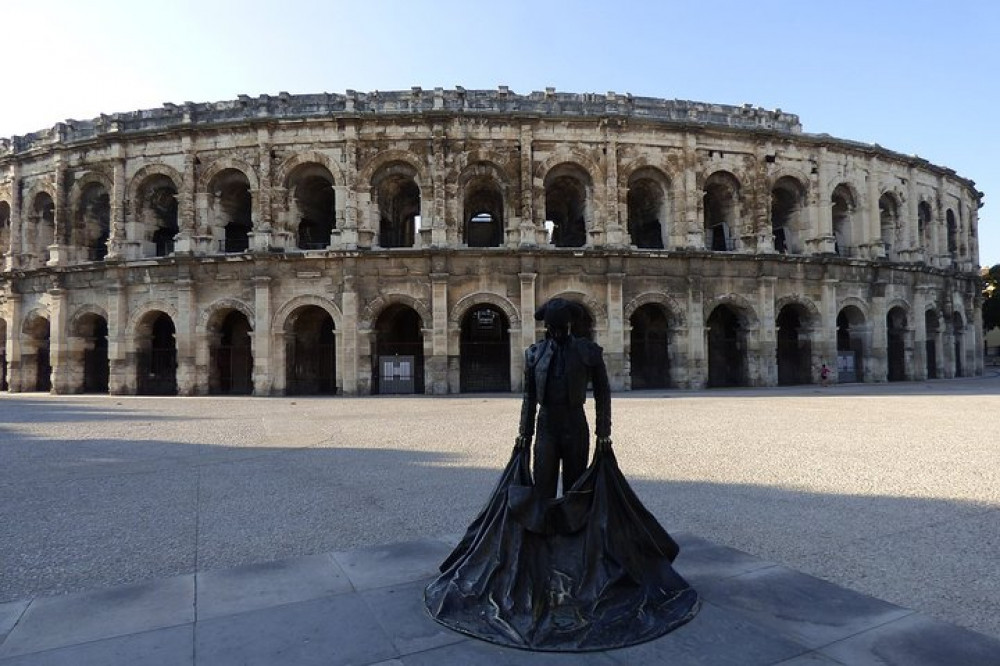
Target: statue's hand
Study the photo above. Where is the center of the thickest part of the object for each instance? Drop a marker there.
(521, 443)
(604, 444)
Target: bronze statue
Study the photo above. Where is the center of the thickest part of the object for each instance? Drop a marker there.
(590, 570)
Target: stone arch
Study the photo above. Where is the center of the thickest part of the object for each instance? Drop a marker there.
(568, 204)
(484, 191)
(84, 311)
(36, 340)
(855, 302)
(211, 316)
(465, 303)
(141, 311)
(788, 198)
(5, 222)
(742, 306)
(721, 208)
(890, 209)
(288, 166)
(137, 181)
(845, 203)
(97, 176)
(223, 164)
(279, 322)
(807, 304)
(371, 311)
(663, 170)
(388, 158)
(31, 318)
(677, 313)
(89, 226)
(648, 207)
(571, 155)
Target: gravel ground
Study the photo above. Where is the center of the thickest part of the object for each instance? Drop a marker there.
(891, 490)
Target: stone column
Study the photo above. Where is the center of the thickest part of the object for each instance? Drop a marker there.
(262, 222)
(827, 343)
(262, 371)
(526, 232)
(911, 228)
(118, 369)
(58, 251)
(877, 365)
(689, 213)
(697, 356)
(12, 255)
(186, 221)
(614, 348)
(614, 235)
(58, 341)
(873, 222)
(439, 223)
(919, 326)
(14, 381)
(766, 357)
(821, 209)
(436, 379)
(117, 236)
(185, 338)
(347, 337)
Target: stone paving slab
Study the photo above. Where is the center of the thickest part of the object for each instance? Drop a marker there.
(365, 607)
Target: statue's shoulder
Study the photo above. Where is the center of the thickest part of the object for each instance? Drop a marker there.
(533, 353)
(591, 352)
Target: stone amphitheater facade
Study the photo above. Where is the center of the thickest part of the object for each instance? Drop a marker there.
(401, 241)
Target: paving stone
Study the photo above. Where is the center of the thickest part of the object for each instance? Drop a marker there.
(480, 653)
(701, 561)
(10, 613)
(90, 616)
(916, 640)
(401, 612)
(381, 566)
(811, 659)
(164, 647)
(329, 632)
(715, 637)
(811, 611)
(230, 591)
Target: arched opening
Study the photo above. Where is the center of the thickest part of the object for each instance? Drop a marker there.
(649, 345)
(399, 351)
(483, 214)
(888, 212)
(787, 204)
(924, 215)
(40, 232)
(157, 212)
(958, 330)
(92, 222)
(232, 208)
(156, 357)
(315, 209)
(896, 325)
(310, 352)
(850, 344)
(92, 354)
(952, 230)
(566, 205)
(933, 333)
(36, 368)
(646, 203)
(844, 206)
(4, 229)
(231, 353)
(485, 350)
(794, 347)
(398, 198)
(727, 348)
(721, 212)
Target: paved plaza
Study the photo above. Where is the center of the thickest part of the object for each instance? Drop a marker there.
(878, 504)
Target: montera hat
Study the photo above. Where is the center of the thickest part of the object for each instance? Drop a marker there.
(559, 312)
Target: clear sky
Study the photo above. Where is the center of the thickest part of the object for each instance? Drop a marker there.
(915, 76)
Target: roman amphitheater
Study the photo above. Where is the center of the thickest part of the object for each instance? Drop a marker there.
(400, 242)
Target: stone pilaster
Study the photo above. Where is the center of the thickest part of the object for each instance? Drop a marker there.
(614, 343)
(186, 213)
(187, 315)
(118, 204)
(767, 345)
(347, 337)
(696, 348)
(14, 379)
(119, 371)
(436, 379)
(528, 307)
(614, 235)
(58, 251)
(527, 231)
(691, 204)
(262, 370)
(11, 257)
(826, 344)
(58, 341)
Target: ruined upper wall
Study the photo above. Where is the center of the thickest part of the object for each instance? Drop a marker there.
(415, 101)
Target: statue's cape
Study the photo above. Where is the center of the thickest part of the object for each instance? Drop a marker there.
(587, 571)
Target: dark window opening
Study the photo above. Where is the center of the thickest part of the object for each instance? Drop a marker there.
(399, 211)
(565, 208)
(645, 201)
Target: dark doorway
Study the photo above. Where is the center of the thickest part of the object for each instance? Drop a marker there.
(958, 329)
(931, 345)
(727, 349)
(157, 357)
(310, 353)
(485, 350)
(398, 197)
(650, 351)
(850, 345)
(398, 332)
(232, 358)
(35, 355)
(94, 331)
(794, 348)
(896, 333)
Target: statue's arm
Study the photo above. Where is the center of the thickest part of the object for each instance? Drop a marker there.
(602, 395)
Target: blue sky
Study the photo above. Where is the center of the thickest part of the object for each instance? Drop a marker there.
(916, 77)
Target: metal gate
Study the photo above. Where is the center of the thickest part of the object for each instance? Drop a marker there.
(95, 370)
(396, 374)
(485, 366)
(158, 371)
